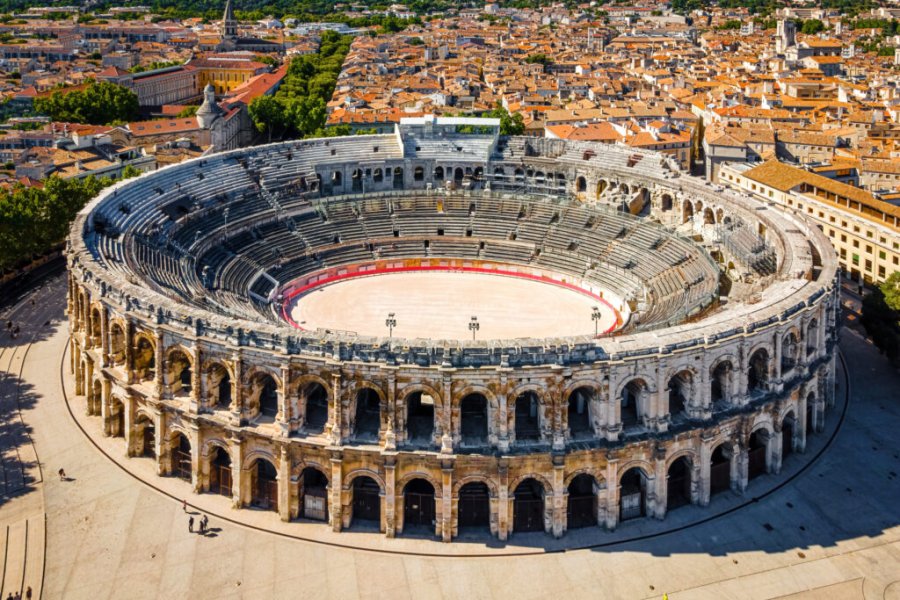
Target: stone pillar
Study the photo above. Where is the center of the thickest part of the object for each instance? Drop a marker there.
(163, 461)
(284, 483)
(800, 421)
(88, 326)
(236, 450)
(503, 524)
(129, 351)
(775, 370)
(774, 450)
(503, 438)
(558, 523)
(612, 491)
(196, 479)
(335, 492)
(390, 410)
(196, 401)
(704, 473)
(160, 365)
(283, 418)
(104, 336)
(446, 524)
(389, 526)
(660, 485)
(740, 463)
(128, 424)
(105, 405)
(237, 389)
(336, 418)
(446, 420)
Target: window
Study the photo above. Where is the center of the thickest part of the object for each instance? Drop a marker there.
(856, 243)
(843, 238)
(844, 253)
(868, 234)
(868, 265)
(881, 255)
(895, 260)
(881, 272)
(856, 259)
(868, 249)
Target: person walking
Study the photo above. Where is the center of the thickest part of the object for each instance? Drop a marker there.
(62, 474)
(204, 522)
(184, 504)
(28, 593)
(191, 524)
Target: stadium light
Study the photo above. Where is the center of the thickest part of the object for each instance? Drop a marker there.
(474, 326)
(390, 323)
(595, 317)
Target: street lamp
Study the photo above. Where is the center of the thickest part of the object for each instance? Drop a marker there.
(595, 317)
(474, 326)
(390, 323)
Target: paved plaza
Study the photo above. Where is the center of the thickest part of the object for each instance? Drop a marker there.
(112, 529)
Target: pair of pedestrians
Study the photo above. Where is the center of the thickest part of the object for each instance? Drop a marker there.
(204, 522)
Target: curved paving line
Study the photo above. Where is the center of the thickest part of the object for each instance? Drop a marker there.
(639, 538)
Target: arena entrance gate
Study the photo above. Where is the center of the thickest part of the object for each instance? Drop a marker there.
(418, 503)
(314, 495)
(678, 488)
(631, 502)
(756, 455)
(265, 488)
(366, 500)
(220, 473)
(181, 458)
(719, 471)
(528, 507)
(581, 510)
(474, 507)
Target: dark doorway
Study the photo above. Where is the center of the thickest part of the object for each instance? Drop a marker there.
(632, 503)
(579, 413)
(527, 428)
(787, 437)
(418, 504)
(265, 488)
(366, 500)
(474, 505)
(368, 415)
(528, 506)
(224, 400)
(678, 490)
(268, 397)
(220, 473)
(758, 374)
(719, 471)
(420, 419)
(148, 438)
(473, 420)
(316, 408)
(630, 398)
(313, 495)
(757, 455)
(581, 510)
(181, 458)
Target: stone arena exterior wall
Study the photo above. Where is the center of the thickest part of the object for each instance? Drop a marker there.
(755, 380)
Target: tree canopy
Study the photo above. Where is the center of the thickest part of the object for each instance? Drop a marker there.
(881, 316)
(100, 103)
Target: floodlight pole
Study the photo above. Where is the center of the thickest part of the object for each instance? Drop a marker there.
(390, 323)
(595, 317)
(474, 326)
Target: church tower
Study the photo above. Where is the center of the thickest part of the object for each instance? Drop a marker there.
(229, 23)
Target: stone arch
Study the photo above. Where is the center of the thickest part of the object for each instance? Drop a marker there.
(407, 477)
(632, 398)
(580, 184)
(179, 371)
(468, 428)
(680, 480)
(144, 356)
(530, 504)
(262, 480)
(788, 422)
(419, 173)
(666, 202)
(144, 434)
(545, 483)
(581, 500)
(758, 366)
(720, 215)
(347, 481)
(263, 397)
(219, 383)
(687, 211)
(534, 426)
(116, 423)
(417, 416)
(366, 407)
(117, 341)
(709, 217)
(759, 449)
(398, 178)
(180, 448)
(634, 484)
(812, 336)
(720, 458)
(580, 406)
(681, 388)
(487, 481)
(790, 349)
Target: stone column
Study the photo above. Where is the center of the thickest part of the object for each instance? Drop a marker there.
(740, 464)
(161, 440)
(775, 370)
(446, 524)
(774, 450)
(503, 410)
(128, 424)
(160, 365)
(800, 421)
(105, 405)
(660, 485)
(129, 351)
(335, 492)
(390, 409)
(104, 336)
(503, 525)
(236, 450)
(196, 479)
(88, 326)
(704, 473)
(283, 418)
(336, 418)
(446, 420)
(558, 523)
(284, 483)
(612, 491)
(237, 389)
(196, 401)
(389, 525)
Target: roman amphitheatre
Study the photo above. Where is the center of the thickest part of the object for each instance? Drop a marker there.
(441, 343)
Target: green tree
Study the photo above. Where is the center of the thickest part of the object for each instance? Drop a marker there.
(101, 103)
(267, 115)
(510, 124)
(881, 316)
(812, 26)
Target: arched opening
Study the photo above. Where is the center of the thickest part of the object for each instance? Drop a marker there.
(601, 186)
(337, 178)
(666, 202)
(623, 187)
(368, 415)
(633, 495)
(680, 389)
(678, 486)
(528, 506)
(316, 407)
(687, 211)
(790, 347)
(95, 326)
(419, 174)
(519, 175)
(756, 453)
(219, 382)
(720, 470)
(366, 500)
(313, 494)
(439, 174)
(458, 174)
(579, 413)
(758, 374)
(398, 178)
(580, 184)
(180, 457)
(418, 505)
(146, 437)
(473, 412)
(95, 398)
(527, 421)
(179, 375)
(378, 175)
(267, 395)
(787, 436)
(419, 419)
(220, 472)
(630, 404)
(708, 217)
(719, 215)
(116, 417)
(144, 360)
(810, 407)
(581, 507)
(812, 337)
(264, 485)
(720, 382)
(116, 344)
(356, 180)
(474, 505)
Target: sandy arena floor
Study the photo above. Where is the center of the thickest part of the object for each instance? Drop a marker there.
(441, 304)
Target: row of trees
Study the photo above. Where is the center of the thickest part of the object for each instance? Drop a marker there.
(881, 316)
(298, 108)
(33, 220)
(100, 103)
